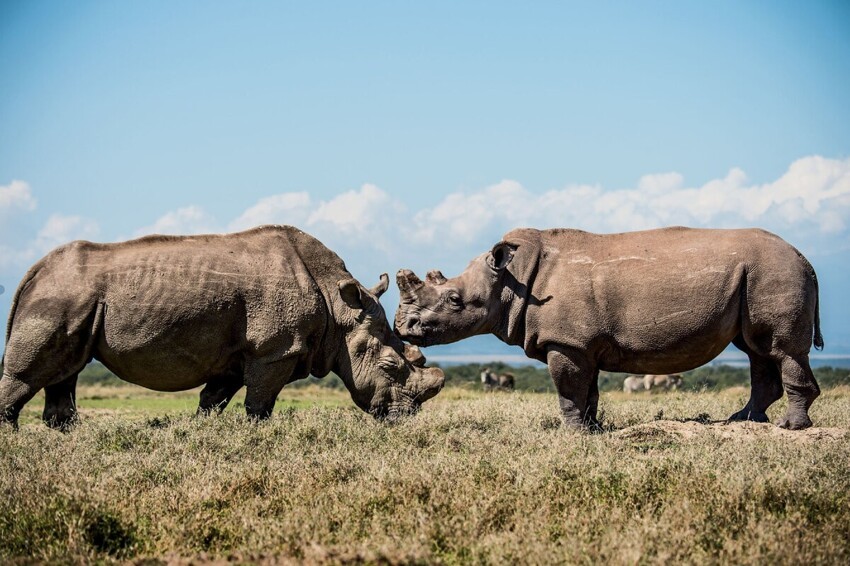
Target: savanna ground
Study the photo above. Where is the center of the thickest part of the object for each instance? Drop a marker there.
(474, 478)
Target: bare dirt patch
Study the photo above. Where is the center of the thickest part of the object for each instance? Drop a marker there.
(693, 430)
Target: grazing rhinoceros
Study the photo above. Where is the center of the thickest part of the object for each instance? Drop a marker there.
(259, 308)
(664, 381)
(633, 384)
(657, 301)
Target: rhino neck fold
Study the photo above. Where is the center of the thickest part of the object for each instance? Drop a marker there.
(326, 350)
(518, 289)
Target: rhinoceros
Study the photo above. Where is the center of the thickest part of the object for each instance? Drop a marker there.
(259, 308)
(655, 301)
(633, 384)
(664, 381)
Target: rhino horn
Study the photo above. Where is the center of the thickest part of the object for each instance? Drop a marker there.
(408, 283)
(414, 355)
(435, 277)
(382, 286)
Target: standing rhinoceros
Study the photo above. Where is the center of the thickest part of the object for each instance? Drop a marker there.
(657, 301)
(664, 381)
(633, 384)
(259, 308)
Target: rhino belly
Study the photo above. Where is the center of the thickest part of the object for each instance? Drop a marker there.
(671, 322)
(686, 338)
(170, 349)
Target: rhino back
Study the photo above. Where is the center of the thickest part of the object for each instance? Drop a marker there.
(178, 310)
(672, 292)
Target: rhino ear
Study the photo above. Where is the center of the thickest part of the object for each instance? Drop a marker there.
(435, 277)
(382, 286)
(500, 256)
(349, 290)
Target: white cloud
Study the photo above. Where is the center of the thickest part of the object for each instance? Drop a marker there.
(464, 216)
(355, 212)
(187, 220)
(17, 194)
(810, 200)
(285, 208)
(814, 194)
(59, 229)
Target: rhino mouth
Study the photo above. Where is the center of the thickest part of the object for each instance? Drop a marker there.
(415, 335)
(396, 412)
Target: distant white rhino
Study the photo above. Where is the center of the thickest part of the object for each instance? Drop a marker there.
(663, 381)
(633, 384)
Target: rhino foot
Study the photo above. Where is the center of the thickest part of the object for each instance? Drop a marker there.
(746, 414)
(64, 423)
(795, 422)
(6, 420)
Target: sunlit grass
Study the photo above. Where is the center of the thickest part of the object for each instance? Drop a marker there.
(480, 478)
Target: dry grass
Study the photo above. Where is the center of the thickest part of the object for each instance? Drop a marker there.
(472, 479)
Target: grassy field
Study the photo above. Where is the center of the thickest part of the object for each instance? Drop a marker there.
(473, 478)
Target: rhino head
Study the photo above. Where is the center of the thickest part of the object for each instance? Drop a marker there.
(440, 310)
(385, 376)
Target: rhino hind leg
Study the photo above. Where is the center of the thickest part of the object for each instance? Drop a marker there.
(802, 390)
(14, 394)
(765, 386)
(60, 404)
(218, 392)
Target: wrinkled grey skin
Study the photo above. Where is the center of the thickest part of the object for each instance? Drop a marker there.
(259, 308)
(657, 301)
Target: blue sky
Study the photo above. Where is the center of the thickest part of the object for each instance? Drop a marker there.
(414, 135)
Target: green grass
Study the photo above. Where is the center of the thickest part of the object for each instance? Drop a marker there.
(125, 399)
(473, 478)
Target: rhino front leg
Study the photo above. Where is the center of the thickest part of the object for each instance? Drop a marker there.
(218, 392)
(60, 404)
(575, 380)
(263, 382)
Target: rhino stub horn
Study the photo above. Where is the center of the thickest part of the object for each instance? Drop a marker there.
(435, 277)
(381, 287)
(414, 355)
(408, 283)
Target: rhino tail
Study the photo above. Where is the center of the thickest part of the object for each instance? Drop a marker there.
(818, 337)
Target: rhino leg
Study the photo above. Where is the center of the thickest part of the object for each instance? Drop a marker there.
(802, 390)
(14, 394)
(218, 393)
(575, 380)
(765, 386)
(263, 382)
(60, 404)
(593, 400)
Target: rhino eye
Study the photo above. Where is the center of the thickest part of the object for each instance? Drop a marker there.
(454, 300)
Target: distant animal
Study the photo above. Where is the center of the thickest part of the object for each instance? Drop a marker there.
(488, 379)
(492, 382)
(506, 381)
(260, 308)
(633, 384)
(665, 381)
(656, 301)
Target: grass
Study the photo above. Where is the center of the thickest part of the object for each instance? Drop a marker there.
(473, 478)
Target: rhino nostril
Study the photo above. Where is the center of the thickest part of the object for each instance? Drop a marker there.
(413, 323)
